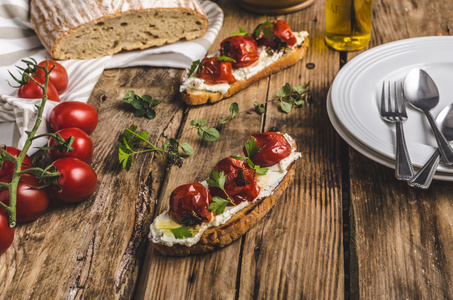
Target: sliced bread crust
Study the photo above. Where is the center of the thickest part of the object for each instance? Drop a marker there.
(193, 97)
(80, 29)
(234, 228)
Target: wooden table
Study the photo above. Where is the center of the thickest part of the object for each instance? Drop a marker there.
(344, 229)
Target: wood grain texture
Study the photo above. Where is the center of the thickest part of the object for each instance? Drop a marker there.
(93, 249)
(302, 235)
(287, 245)
(401, 237)
(398, 241)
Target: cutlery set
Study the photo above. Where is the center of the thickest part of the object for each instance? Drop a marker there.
(419, 90)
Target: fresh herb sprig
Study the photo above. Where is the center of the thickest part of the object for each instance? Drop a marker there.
(212, 134)
(292, 96)
(144, 105)
(241, 32)
(266, 28)
(133, 143)
(181, 232)
(234, 110)
(208, 134)
(217, 179)
(251, 148)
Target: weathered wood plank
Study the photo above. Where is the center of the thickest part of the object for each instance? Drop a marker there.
(302, 235)
(191, 277)
(93, 249)
(266, 246)
(401, 237)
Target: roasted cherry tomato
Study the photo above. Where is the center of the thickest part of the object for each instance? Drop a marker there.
(189, 204)
(82, 145)
(7, 169)
(240, 183)
(73, 114)
(241, 48)
(31, 202)
(282, 35)
(273, 148)
(32, 91)
(77, 181)
(58, 76)
(214, 71)
(6, 232)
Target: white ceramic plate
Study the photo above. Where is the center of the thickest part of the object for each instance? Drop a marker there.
(364, 149)
(356, 91)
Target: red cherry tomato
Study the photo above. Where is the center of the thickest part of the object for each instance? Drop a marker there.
(82, 145)
(78, 180)
(58, 76)
(74, 114)
(32, 91)
(273, 148)
(6, 232)
(281, 34)
(214, 71)
(241, 48)
(240, 183)
(31, 203)
(284, 33)
(189, 204)
(7, 169)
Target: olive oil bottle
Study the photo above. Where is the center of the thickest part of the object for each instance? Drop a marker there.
(348, 24)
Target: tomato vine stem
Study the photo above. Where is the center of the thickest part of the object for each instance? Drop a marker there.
(12, 186)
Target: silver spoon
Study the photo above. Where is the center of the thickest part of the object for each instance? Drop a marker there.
(425, 175)
(421, 92)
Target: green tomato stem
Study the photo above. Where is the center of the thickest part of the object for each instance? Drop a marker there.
(11, 209)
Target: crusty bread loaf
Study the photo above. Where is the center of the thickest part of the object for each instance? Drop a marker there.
(83, 29)
(292, 56)
(234, 228)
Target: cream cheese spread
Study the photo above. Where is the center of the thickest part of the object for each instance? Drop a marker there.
(197, 84)
(160, 231)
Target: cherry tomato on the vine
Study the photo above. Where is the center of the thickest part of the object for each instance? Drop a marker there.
(6, 232)
(189, 204)
(273, 148)
(58, 76)
(7, 168)
(82, 145)
(77, 181)
(242, 48)
(74, 114)
(240, 183)
(31, 202)
(32, 91)
(214, 71)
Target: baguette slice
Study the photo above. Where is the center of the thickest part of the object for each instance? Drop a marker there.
(292, 56)
(80, 29)
(241, 222)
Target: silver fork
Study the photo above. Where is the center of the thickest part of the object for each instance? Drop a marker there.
(393, 109)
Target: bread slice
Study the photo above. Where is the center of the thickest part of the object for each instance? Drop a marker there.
(80, 29)
(292, 56)
(240, 221)
(234, 228)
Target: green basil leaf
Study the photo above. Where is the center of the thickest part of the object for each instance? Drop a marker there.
(285, 106)
(181, 232)
(211, 134)
(186, 148)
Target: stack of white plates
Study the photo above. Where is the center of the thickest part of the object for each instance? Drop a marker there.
(354, 99)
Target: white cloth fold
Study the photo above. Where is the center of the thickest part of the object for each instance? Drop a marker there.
(19, 42)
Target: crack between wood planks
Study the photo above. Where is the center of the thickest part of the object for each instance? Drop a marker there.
(263, 116)
(346, 205)
(142, 215)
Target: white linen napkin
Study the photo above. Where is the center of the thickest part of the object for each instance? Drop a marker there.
(18, 41)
